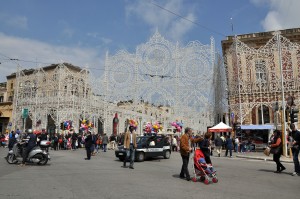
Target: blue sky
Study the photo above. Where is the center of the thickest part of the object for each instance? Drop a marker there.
(40, 32)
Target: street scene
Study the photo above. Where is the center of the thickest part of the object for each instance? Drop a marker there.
(149, 99)
(68, 175)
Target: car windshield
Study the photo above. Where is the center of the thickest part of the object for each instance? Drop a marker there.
(140, 140)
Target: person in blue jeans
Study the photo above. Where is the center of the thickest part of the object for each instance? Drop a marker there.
(295, 149)
(104, 142)
(130, 146)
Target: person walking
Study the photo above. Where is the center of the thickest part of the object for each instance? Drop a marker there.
(186, 142)
(12, 141)
(236, 144)
(218, 145)
(295, 149)
(88, 144)
(54, 141)
(174, 143)
(104, 142)
(276, 149)
(228, 146)
(205, 145)
(74, 140)
(112, 140)
(130, 146)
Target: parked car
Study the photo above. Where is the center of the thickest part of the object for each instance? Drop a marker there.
(148, 147)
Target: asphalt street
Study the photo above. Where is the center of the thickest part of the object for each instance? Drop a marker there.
(69, 176)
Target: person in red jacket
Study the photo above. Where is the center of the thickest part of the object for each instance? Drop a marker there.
(185, 150)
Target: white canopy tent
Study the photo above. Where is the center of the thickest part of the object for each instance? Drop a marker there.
(221, 127)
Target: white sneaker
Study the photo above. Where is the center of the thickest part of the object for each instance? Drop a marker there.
(294, 174)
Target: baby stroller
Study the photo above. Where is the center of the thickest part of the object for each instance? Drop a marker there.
(203, 171)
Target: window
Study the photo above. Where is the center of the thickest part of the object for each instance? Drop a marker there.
(266, 115)
(260, 69)
(1, 98)
(12, 86)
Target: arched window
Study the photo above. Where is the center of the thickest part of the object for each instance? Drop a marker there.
(266, 115)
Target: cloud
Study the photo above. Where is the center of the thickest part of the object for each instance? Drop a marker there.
(95, 35)
(29, 51)
(18, 22)
(166, 22)
(106, 40)
(282, 14)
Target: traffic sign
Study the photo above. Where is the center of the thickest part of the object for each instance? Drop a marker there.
(24, 113)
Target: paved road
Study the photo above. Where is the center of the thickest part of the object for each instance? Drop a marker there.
(69, 176)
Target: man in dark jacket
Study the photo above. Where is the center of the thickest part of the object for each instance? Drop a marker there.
(295, 149)
(228, 145)
(12, 140)
(219, 144)
(88, 144)
(104, 142)
(31, 143)
(74, 140)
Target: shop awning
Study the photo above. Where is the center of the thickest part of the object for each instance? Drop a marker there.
(257, 127)
(221, 127)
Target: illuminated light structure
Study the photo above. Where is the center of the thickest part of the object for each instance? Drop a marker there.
(54, 94)
(262, 70)
(166, 75)
(160, 82)
(256, 58)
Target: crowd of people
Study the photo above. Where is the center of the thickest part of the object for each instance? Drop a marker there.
(185, 144)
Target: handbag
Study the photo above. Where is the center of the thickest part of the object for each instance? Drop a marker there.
(267, 151)
(275, 150)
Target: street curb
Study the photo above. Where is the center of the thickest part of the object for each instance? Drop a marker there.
(262, 158)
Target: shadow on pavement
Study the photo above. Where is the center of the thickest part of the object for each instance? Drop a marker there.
(272, 171)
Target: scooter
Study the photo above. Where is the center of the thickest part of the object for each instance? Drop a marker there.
(38, 154)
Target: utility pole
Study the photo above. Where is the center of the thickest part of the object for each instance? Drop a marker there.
(282, 96)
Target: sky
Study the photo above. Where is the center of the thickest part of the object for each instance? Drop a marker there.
(37, 33)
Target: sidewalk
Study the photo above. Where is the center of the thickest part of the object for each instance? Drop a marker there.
(262, 156)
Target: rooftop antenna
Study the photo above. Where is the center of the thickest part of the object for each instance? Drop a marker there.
(231, 21)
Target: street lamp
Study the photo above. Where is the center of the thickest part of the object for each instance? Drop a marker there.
(140, 120)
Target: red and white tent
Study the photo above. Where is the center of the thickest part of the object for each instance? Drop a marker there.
(221, 127)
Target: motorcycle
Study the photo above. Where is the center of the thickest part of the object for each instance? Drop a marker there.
(38, 154)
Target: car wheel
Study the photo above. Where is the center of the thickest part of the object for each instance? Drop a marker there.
(167, 154)
(140, 157)
(121, 158)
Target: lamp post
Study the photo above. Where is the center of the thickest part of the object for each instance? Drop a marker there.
(282, 95)
(140, 120)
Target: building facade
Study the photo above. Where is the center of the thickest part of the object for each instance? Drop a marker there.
(262, 71)
(5, 108)
(52, 95)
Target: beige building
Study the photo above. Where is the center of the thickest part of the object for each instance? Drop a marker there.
(262, 69)
(51, 94)
(5, 108)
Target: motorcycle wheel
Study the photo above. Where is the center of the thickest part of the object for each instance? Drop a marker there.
(43, 159)
(11, 159)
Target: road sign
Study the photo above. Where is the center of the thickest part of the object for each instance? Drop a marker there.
(24, 113)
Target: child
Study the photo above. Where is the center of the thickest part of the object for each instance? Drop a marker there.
(207, 167)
